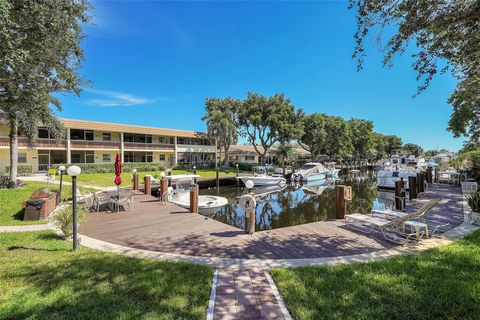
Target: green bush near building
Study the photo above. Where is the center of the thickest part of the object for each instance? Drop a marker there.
(22, 170)
(110, 168)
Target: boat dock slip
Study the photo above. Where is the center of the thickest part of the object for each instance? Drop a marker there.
(171, 229)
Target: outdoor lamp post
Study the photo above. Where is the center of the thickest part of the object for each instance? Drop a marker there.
(194, 169)
(74, 171)
(238, 173)
(61, 169)
(249, 184)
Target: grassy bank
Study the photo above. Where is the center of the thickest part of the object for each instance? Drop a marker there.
(106, 179)
(442, 283)
(11, 202)
(42, 279)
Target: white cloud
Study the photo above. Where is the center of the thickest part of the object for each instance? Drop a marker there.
(117, 99)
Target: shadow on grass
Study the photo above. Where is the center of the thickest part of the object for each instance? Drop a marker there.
(91, 285)
(438, 284)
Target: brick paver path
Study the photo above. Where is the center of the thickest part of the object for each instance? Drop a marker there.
(245, 294)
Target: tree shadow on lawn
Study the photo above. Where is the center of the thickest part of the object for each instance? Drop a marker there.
(439, 284)
(90, 285)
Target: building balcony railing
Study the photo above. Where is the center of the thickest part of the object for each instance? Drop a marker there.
(149, 146)
(39, 143)
(90, 144)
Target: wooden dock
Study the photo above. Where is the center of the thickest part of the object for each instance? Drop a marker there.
(168, 228)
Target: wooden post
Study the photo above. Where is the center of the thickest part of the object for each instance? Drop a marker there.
(412, 188)
(163, 187)
(217, 177)
(400, 193)
(420, 182)
(341, 204)
(436, 175)
(251, 227)
(147, 188)
(193, 198)
(135, 181)
(429, 175)
(169, 173)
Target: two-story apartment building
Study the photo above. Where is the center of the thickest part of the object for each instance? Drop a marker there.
(99, 142)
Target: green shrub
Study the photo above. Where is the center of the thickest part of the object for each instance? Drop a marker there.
(22, 170)
(110, 167)
(474, 201)
(63, 219)
(6, 183)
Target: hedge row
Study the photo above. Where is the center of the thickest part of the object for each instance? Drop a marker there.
(22, 170)
(110, 167)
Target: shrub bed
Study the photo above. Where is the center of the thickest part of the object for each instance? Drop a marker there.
(22, 170)
(110, 168)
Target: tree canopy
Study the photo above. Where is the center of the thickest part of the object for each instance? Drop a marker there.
(446, 37)
(221, 117)
(267, 121)
(412, 149)
(39, 55)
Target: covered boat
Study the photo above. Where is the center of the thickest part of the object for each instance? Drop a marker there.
(261, 177)
(310, 171)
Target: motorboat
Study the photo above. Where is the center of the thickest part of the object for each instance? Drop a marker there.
(261, 177)
(386, 178)
(179, 194)
(310, 171)
(332, 171)
(279, 170)
(265, 190)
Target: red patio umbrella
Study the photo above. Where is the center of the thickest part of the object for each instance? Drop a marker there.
(118, 170)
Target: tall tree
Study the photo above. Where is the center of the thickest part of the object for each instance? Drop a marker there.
(222, 122)
(39, 55)
(327, 135)
(392, 144)
(266, 121)
(446, 35)
(412, 149)
(362, 138)
(379, 145)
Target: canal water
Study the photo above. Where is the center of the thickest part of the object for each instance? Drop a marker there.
(297, 204)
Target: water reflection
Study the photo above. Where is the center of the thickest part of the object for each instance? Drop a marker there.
(299, 204)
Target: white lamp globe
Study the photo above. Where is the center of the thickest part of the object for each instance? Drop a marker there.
(194, 167)
(74, 171)
(61, 168)
(134, 170)
(249, 184)
(162, 174)
(236, 165)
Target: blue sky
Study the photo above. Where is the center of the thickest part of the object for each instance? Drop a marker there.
(154, 63)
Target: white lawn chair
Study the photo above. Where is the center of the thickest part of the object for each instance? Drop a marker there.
(397, 223)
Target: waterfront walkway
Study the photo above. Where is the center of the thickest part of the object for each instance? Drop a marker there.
(154, 226)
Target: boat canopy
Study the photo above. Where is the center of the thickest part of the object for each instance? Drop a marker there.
(182, 177)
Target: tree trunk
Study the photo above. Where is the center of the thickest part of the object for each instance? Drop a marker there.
(13, 149)
(225, 160)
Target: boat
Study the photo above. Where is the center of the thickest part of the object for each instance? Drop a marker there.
(261, 177)
(386, 178)
(179, 194)
(332, 171)
(265, 190)
(310, 171)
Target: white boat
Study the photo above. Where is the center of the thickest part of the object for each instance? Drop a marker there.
(310, 171)
(319, 186)
(179, 194)
(332, 171)
(386, 178)
(262, 178)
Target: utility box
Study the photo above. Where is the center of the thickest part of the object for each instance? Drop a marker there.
(40, 204)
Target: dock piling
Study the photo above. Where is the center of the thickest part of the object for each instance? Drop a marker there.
(412, 188)
(147, 188)
(400, 195)
(341, 204)
(193, 198)
(135, 181)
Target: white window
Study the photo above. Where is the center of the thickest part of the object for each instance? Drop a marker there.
(107, 136)
(107, 157)
(22, 158)
(250, 158)
(162, 157)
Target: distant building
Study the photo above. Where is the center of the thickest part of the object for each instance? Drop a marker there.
(99, 142)
(248, 154)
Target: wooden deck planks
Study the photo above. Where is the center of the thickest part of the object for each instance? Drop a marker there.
(168, 228)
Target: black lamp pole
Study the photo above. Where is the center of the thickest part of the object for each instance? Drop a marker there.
(74, 204)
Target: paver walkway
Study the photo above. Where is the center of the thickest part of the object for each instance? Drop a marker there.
(245, 294)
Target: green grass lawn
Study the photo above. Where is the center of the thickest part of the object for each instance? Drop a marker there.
(11, 202)
(106, 179)
(442, 283)
(41, 278)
